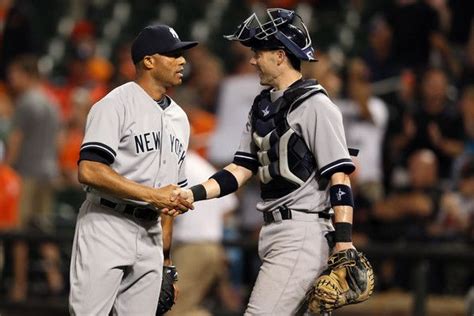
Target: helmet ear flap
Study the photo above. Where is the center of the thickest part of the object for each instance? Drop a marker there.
(296, 43)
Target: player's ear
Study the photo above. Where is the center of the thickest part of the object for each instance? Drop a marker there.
(148, 62)
(280, 55)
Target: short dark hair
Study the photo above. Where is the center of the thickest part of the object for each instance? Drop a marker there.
(294, 61)
(27, 63)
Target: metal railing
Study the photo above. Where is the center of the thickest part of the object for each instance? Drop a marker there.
(420, 254)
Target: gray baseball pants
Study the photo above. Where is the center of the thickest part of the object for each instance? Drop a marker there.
(116, 264)
(293, 253)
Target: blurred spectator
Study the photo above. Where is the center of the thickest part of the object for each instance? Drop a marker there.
(365, 120)
(453, 224)
(399, 104)
(436, 125)
(205, 78)
(32, 151)
(236, 95)
(84, 69)
(457, 207)
(125, 69)
(16, 32)
(416, 28)
(70, 192)
(198, 97)
(10, 183)
(406, 213)
(73, 135)
(203, 124)
(197, 247)
(380, 56)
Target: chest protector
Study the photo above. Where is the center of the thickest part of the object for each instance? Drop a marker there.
(285, 161)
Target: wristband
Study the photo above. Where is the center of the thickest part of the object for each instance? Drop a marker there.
(199, 192)
(343, 232)
(341, 194)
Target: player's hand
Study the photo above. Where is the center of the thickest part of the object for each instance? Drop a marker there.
(340, 246)
(163, 200)
(185, 194)
(171, 212)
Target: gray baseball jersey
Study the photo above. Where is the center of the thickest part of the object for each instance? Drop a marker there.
(140, 140)
(294, 252)
(319, 122)
(116, 259)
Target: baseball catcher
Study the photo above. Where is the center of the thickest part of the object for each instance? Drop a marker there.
(349, 279)
(167, 297)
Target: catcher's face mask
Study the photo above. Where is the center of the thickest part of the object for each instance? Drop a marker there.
(283, 29)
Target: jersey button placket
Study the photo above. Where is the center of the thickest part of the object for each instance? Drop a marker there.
(165, 130)
(164, 139)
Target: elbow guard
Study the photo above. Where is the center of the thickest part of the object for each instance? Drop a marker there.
(227, 182)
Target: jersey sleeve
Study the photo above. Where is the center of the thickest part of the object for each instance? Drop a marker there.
(102, 134)
(182, 178)
(323, 130)
(246, 155)
(182, 175)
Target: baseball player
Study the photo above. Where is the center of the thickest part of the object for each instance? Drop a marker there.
(131, 159)
(294, 141)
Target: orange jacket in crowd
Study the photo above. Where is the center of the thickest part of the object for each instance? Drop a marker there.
(10, 184)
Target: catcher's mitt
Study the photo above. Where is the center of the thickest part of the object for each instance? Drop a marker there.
(349, 279)
(166, 300)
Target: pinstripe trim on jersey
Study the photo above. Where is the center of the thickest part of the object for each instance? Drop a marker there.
(101, 146)
(96, 154)
(342, 165)
(99, 152)
(246, 160)
(183, 183)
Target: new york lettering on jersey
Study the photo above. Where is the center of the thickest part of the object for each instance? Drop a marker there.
(146, 142)
(177, 147)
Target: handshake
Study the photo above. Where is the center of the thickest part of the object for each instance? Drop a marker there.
(171, 200)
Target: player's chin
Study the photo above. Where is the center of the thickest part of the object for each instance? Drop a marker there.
(177, 81)
(264, 82)
(178, 78)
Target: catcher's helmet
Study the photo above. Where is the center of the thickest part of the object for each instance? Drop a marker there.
(284, 29)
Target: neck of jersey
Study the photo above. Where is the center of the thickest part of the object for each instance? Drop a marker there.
(164, 102)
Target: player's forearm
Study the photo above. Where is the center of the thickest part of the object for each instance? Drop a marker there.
(103, 178)
(217, 187)
(343, 212)
(167, 225)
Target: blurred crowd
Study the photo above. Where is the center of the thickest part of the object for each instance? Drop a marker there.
(405, 88)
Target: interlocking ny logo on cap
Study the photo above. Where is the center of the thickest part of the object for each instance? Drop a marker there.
(173, 32)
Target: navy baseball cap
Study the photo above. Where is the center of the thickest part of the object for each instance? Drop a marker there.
(157, 38)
